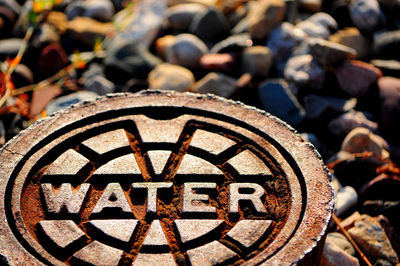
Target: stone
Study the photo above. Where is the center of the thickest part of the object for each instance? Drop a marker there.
(63, 102)
(257, 61)
(234, 43)
(210, 26)
(162, 45)
(328, 53)
(216, 83)
(304, 71)
(100, 85)
(311, 6)
(372, 239)
(141, 23)
(388, 67)
(363, 140)
(348, 222)
(278, 99)
(180, 16)
(382, 262)
(46, 34)
(171, 77)
(342, 242)
(322, 107)
(9, 48)
(352, 38)
(52, 59)
(263, 16)
(356, 77)
(125, 60)
(389, 96)
(390, 209)
(383, 187)
(41, 98)
(345, 199)
(283, 40)
(218, 62)
(319, 25)
(22, 76)
(333, 255)
(390, 231)
(386, 45)
(59, 20)
(343, 124)
(365, 14)
(186, 51)
(102, 10)
(88, 30)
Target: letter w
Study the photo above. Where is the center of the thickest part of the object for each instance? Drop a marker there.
(64, 198)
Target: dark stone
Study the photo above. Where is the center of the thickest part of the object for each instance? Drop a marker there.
(389, 101)
(277, 98)
(9, 48)
(126, 60)
(52, 59)
(210, 26)
(382, 187)
(387, 45)
(390, 209)
(382, 262)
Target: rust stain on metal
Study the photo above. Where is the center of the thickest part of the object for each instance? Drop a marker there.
(161, 177)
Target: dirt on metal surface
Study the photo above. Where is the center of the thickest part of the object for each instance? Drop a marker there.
(162, 177)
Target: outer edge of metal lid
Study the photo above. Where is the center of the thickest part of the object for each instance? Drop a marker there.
(317, 214)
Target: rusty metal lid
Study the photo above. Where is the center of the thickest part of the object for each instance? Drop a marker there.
(161, 177)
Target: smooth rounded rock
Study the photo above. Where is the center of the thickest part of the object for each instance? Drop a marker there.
(352, 37)
(216, 83)
(170, 77)
(389, 97)
(356, 77)
(102, 10)
(329, 53)
(304, 71)
(319, 25)
(365, 14)
(386, 45)
(186, 51)
(180, 16)
(257, 61)
(283, 40)
(210, 25)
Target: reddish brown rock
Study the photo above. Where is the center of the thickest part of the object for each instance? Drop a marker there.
(389, 99)
(218, 62)
(52, 59)
(385, 187)
(356, 77)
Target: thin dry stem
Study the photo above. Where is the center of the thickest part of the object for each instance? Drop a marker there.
(348, 236)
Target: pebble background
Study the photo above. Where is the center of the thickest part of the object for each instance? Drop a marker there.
(330, 69)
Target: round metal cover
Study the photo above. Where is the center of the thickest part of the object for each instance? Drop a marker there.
(161, 178)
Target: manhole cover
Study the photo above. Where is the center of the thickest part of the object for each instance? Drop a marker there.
(161, 178)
